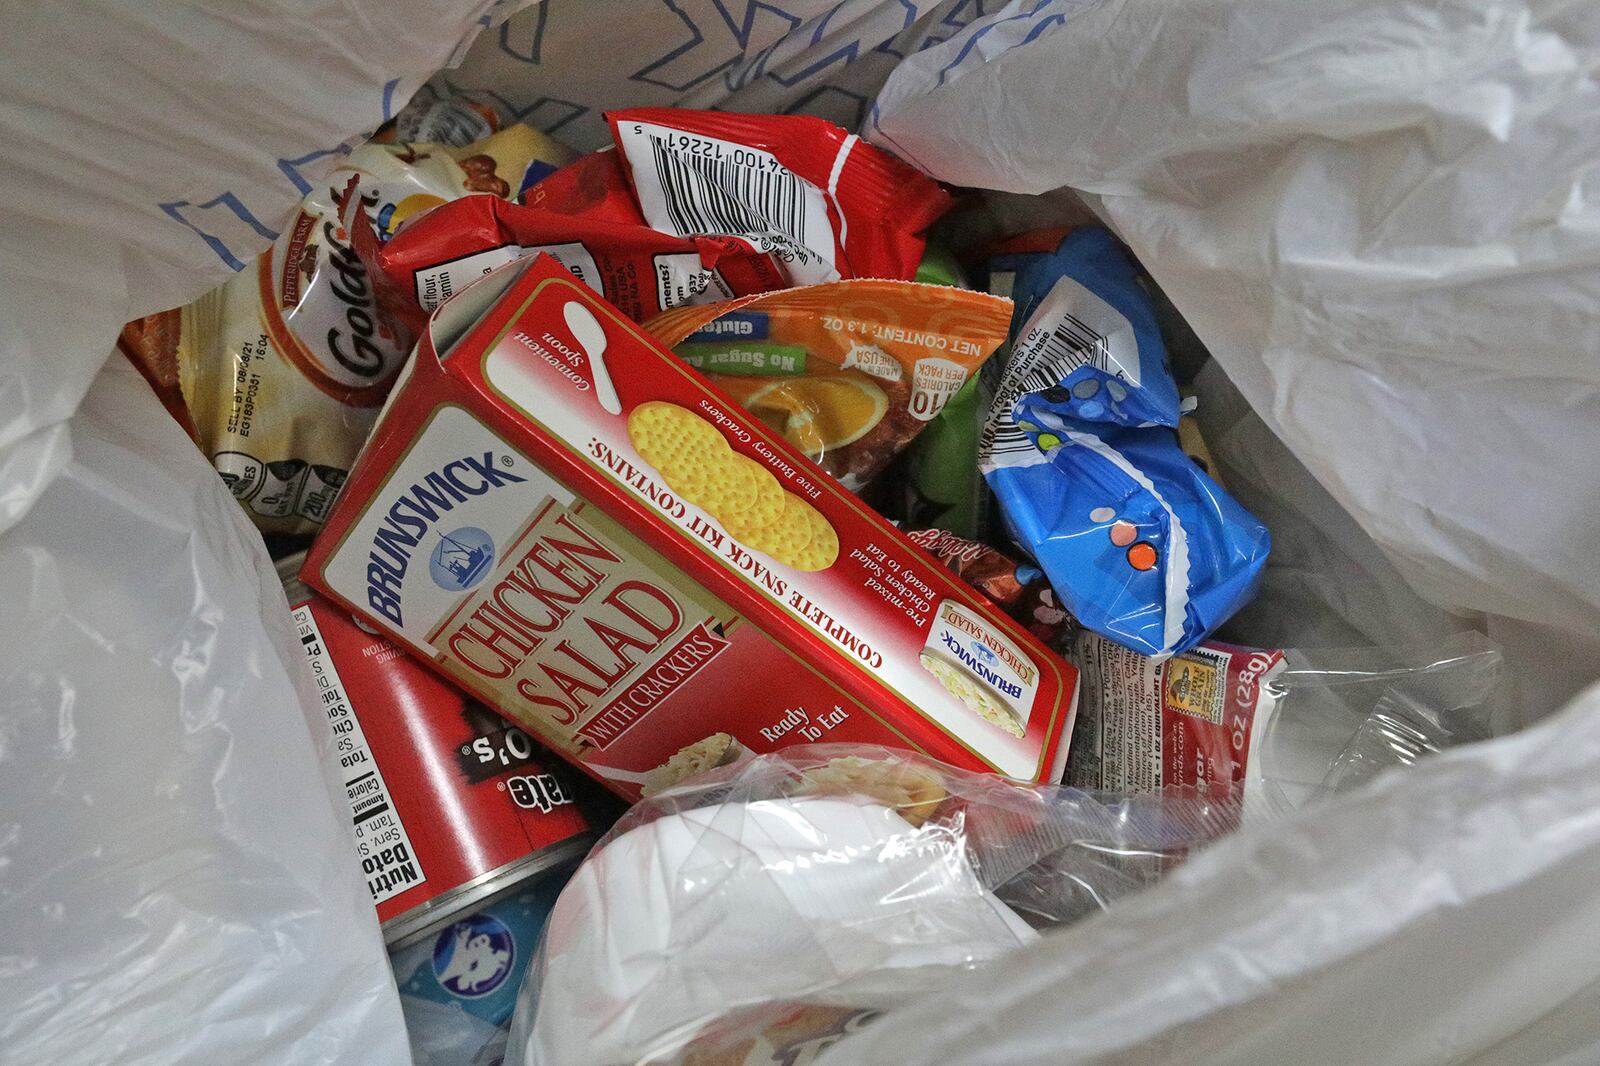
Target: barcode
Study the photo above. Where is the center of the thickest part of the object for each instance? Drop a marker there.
(1070, 345)
(1046, 359)
(706, 195)
(1010, 440)
(1001, 435)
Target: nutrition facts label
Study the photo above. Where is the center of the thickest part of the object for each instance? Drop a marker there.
(1119, 714)
(387, 858)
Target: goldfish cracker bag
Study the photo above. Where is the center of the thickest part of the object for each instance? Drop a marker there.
(848, 371)
(282, 369)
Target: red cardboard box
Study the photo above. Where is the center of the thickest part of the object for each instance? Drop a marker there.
(503, 526)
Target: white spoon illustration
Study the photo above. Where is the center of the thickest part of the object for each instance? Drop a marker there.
(586, 329)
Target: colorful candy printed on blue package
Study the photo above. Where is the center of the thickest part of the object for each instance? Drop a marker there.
(1140, 544)
(1081, 450)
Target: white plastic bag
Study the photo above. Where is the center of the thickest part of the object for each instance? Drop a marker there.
(1381, 218)
(1442, 915)
(177, 882)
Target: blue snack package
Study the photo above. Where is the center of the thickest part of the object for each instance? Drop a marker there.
(1081, 450)
(1084, 329)
(1139, 543)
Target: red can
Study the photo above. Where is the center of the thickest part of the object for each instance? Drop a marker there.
(453, 805)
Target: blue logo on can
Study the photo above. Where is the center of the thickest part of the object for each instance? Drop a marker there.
(461, 559)
(474, 957)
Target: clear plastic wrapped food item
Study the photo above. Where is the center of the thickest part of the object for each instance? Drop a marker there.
(1279, 729)
(760, 911)
(1339, 717)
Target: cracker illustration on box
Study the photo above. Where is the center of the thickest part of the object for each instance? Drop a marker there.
(695, 460)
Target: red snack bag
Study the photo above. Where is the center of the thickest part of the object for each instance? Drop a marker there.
(595, 187)
(1019, 589)
(823, 201)
(640, 270)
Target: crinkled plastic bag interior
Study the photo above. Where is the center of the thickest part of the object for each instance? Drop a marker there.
(1380, 218)
(773, 904)
(178, 881)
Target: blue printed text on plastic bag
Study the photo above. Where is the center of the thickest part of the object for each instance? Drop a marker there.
(1084, 334)
(1139, 543)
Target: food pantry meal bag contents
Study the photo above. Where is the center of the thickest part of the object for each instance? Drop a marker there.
(762, 912)
(567, 521)
(282, 368)
(453, 806)
(825, 203)
(1019, 588)
(1081, 450)
(458, 985)
(850, 371)
(640, 270)
(1281, 729)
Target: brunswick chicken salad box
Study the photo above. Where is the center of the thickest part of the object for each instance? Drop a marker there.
(576, 527)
